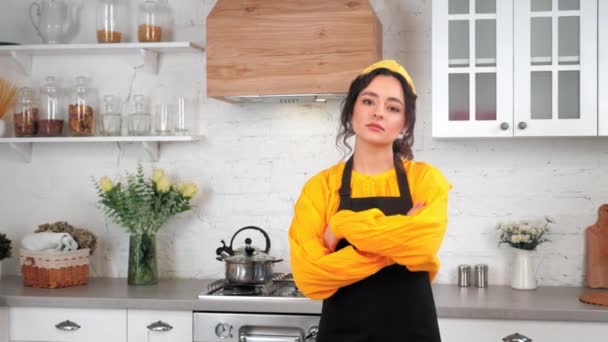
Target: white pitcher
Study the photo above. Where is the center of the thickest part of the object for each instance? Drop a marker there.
(54, 20)
(523, 276)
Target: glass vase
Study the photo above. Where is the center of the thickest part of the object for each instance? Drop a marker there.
(143, 268)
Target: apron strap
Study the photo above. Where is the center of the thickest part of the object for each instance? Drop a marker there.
(345, 191)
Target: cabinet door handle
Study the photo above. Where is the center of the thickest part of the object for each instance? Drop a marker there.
(504, 126)
(522, 125)
(159, 326)
(67, 325)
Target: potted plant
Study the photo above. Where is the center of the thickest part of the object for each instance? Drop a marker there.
(5, 250)
(524, 237)
(142, 205)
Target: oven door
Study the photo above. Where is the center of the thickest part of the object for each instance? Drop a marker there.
(239, 327)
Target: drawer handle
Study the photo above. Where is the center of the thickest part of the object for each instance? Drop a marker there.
(67, 326)
(159, 326)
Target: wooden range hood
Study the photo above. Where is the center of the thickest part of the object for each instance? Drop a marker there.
(289, 50)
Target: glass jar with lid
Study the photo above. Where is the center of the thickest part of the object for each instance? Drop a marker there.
(150, 25)
(140, 120)
(111, 21)
(110, 116)
(82, 108)
(50, 123)
(25, 113)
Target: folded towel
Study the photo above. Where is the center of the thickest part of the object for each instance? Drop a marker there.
(48, 241)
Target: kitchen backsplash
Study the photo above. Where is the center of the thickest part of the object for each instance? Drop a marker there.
(254, 159)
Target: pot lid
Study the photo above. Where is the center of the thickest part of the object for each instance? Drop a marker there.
(250, 258)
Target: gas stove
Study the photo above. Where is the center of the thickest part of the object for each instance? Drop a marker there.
(281, 285)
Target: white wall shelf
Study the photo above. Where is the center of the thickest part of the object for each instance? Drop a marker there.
(151, 144)
(149, 53)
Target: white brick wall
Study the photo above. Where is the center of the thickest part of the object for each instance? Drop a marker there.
(255, 158)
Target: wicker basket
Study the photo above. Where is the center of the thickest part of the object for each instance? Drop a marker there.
(55, 269)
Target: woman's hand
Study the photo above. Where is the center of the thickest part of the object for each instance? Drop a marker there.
(330, 239)
(416, 208)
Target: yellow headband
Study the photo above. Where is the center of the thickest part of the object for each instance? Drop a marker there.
(391, 65)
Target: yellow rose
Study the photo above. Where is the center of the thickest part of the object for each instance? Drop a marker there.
(157, 175)
(188, 190)
(106, 184)
(163, 185)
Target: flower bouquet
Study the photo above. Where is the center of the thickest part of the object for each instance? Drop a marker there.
(142, 205)
(524, 236)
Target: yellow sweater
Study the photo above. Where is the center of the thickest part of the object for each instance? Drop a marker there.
(380, 240)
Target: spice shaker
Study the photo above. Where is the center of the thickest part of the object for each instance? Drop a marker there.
(50, 123)
(464, 275)
(25, 113)
(481, 275)
(82, 109)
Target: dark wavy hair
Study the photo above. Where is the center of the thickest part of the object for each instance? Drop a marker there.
(401, 147)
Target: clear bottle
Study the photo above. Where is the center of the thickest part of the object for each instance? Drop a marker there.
(111, 21)
(140, 120)
(150, 24)
(82, 109)
(111, 119)
(25, 113)
(50, 123)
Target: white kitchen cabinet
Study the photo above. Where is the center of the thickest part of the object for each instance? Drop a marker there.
(3, 324)
(603, 68)
(472, 64)
(67, 325)
(514, 68)
(555, 65)
(458, 330)
(159, 326)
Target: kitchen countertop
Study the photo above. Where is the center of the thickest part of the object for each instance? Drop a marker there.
(494, 302)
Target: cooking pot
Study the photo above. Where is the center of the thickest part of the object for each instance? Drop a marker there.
(248, 266)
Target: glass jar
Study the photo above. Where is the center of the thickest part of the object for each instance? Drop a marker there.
(110, 116)
(140, 120)
(111, 21)
(25, 113)
(82, 109)
(50, 123)
(149, 27)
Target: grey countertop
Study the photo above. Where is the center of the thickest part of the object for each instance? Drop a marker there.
(494, 302)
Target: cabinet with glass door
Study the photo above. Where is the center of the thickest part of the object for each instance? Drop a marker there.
(603, 68)
(514, 68)
(555, 64)
(472, 68)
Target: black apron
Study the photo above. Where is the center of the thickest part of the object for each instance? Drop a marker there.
(393, 305)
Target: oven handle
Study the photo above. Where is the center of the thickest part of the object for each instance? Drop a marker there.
(269, 338)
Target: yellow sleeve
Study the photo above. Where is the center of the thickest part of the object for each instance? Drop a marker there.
(412, 241)
(317, 272)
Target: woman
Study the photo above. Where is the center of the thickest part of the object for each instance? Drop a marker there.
(365, 233)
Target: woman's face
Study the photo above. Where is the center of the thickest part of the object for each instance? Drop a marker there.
(379, 112)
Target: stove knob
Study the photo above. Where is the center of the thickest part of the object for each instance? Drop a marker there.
(223, 330)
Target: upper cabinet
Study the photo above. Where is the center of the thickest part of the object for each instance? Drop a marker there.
(555, 60)
(514, 68)
(472, 68)
(603, 67)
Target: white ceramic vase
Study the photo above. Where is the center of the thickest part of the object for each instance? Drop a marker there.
(523, 276)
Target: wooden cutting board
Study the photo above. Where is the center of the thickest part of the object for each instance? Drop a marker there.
(596, 240)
